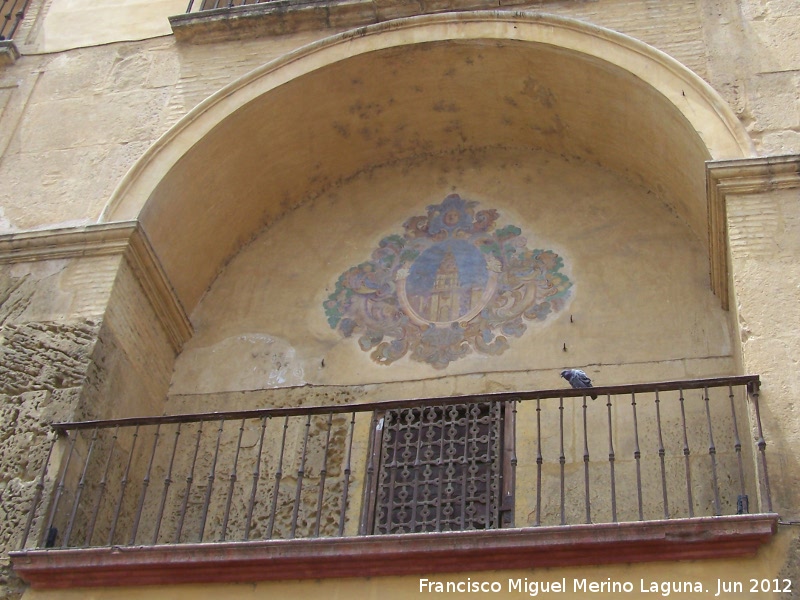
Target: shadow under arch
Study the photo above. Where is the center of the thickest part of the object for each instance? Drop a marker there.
(413, 87)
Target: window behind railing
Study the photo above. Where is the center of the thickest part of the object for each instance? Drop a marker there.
(655, 451)
(439, 469)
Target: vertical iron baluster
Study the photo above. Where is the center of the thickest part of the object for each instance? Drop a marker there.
(212, 474)
(686, 460)
(611, 459)
(323, 474)
(417, 466)
(392, 464)
(465, 471)
(378, 443)
(742, 503)
(189, 480)
(712, 453)
(145, 485)
(661, 455)
(300, 474)
(101, 490)
(189, 8)
(79, 491)
(539, 461)
(19, 16)
(637, 455)
(9, 11)
(492, 474)
(761, 442)
(441, 470)
(562, 459)
(586, 464)
(278, 475)
(37, 496)
(6, 18)
(513, 486)
(256, 475)
(122, 486)
(346, 486)
(60, 487)
(167, 483)
(232, 483)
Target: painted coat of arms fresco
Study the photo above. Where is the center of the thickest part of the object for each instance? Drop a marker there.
(451, 284)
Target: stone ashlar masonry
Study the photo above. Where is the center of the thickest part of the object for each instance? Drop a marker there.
(43, 366)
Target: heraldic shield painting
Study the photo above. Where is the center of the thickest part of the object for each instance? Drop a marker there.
(451, 284)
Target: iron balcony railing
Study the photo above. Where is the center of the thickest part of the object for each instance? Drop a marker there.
(201, 5)
(12, 12)
(657, 451)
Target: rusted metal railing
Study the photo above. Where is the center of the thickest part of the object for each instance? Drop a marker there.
(12, 12)
(654, 451)
(201, 5)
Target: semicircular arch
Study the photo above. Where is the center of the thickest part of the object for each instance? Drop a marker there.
(233, 164)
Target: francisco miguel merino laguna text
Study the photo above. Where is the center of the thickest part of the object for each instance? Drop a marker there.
(536, 587)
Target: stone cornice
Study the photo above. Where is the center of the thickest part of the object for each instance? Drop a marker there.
(126, 239)
(106, 239)
(741, 176)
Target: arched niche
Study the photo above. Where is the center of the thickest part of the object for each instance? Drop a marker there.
(431, 85)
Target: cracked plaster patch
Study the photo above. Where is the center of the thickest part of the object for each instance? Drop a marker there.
(250, 361)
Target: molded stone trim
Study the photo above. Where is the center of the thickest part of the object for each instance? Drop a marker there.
(403, 554)
(108, 239)
(740, 176)
(280, 17)
(9, 54)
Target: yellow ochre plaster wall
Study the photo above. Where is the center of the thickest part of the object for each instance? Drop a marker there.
(213, 148)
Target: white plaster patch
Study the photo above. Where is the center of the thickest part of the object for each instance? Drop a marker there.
(6, 226)
(251, 361)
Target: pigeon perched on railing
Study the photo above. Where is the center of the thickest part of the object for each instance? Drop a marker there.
(578, 379)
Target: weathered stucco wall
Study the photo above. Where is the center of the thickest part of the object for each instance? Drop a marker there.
(85, 337)
(82, 117)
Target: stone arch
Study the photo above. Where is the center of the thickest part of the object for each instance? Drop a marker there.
(277, 136)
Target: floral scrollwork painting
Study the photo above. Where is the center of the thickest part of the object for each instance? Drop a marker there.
(453, 283)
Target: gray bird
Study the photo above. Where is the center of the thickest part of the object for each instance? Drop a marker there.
(578, 379)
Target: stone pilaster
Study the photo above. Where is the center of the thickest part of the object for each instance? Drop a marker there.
(754, 207)
(89, 328)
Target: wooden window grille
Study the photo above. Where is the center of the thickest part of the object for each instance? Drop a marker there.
(441, 468)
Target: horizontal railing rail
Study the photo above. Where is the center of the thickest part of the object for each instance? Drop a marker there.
(614, 390)
(650, 451)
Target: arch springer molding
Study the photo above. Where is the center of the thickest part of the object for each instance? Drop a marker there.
(126, 238)
(738, 177)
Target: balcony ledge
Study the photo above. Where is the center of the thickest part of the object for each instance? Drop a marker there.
(405, 554)
(280, 17)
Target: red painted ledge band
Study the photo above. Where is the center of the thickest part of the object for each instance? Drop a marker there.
(405, 554)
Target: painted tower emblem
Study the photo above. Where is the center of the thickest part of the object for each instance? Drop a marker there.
(452, 284)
